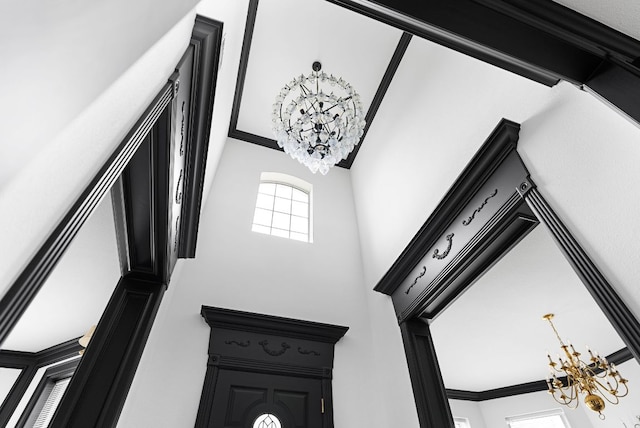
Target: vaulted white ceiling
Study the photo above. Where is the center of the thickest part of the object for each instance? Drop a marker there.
(478, 336)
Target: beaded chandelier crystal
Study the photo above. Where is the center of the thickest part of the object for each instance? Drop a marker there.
(318, 119)
(598, 380)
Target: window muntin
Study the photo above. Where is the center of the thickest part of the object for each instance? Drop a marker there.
(282, 209)
(267, 420)
(545, 419)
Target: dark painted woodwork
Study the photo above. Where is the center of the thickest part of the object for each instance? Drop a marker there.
(38, 398)
(98, 390)
(429, 393)
(619, 84)
(260, 140)
(29, 363)
(493, 152)
(617, 358)
(613, 307)
(495, 219)
(207, 42)
(469, 199)
(241, 397)
(295, 354)
(22, 291)
(538, 39)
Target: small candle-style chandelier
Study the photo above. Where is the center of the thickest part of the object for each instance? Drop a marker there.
(598, 381)
(318, 119)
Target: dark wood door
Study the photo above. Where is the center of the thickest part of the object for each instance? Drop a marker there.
(241, 397)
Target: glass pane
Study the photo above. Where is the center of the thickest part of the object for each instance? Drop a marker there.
(282, 205)
(281, 221)
(262, 217)
(283, 191)
(540, 422)
(300, 209)
(267, 420)
(267, 188)
(264, 201)
(261, 229)
(280, 232)
(299, 224)
(299, 195)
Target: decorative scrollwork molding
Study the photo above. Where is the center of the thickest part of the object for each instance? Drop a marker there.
(179, 187)
(182, 131)
(436, 252)
(308, 352)
(468, 221)
(415, 281)
(276, 353)
(175, 238)
(235, 342)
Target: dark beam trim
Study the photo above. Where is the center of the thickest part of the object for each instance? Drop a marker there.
(618, 357)
(429, 394)
(252, 12)
(20, 294)
(495, 149)
(398, 17)
(605, 296)
(270, 143)
(403, 44)
(268, 324)
(207, 41)
(99, 388)
(539, 39)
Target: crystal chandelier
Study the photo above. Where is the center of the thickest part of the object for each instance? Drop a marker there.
(318, 119)
(598, 381)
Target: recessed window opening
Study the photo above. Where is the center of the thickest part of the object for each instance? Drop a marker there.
(545, 419)
(283, 207)
(461, 423)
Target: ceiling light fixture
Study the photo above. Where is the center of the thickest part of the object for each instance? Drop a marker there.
(597, 380)
(318, 119)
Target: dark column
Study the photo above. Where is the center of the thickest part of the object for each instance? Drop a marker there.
(98, 389)
(428, 388)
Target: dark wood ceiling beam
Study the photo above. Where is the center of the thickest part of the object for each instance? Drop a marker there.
(537, 39)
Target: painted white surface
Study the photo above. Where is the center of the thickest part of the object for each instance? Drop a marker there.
(58, 57)
(238, 269)
(36, 198)
(499, 319)
(439, 109)
(290, 35)
(77, 291)
(495, 411)
(470, 410)
(7, 379)
(621, 15)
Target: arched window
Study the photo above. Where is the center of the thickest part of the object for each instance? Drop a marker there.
(283, 207)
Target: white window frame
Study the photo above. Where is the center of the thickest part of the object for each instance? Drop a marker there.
(538, 415)
(294, 183)
(461, 422)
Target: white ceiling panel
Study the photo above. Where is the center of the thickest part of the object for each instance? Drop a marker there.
(289, 35)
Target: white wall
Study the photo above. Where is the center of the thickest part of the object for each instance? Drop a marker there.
(470, 410)
(51, 176)
(58, 57)
(495, 411)
(239, 269)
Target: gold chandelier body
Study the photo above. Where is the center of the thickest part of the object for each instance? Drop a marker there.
(598, 381)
